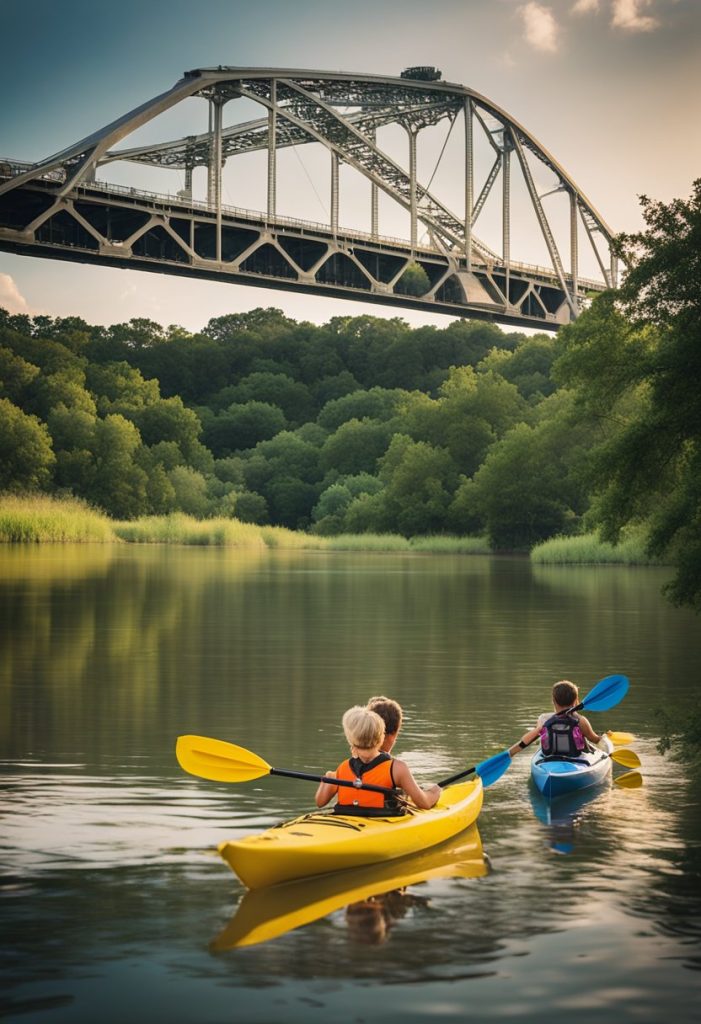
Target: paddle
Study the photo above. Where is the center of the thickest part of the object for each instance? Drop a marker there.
(605, 695)
(629, 780)
(489, 771)
(621, 739)
(628, 758)
(220, 761)
(226, 762)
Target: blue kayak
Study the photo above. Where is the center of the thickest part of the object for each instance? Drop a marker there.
(557, 776)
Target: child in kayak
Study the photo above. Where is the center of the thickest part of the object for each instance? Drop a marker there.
(391, 714)
(365, 732)
(564, 733)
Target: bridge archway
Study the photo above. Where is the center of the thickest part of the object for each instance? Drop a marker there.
(456, 253)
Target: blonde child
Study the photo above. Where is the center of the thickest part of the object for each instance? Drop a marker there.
(365, 732)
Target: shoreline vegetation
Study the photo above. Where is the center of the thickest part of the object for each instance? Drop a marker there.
(36, 519)
(588, 549)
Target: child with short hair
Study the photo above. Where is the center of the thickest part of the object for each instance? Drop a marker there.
(391, 714)
(365, 731)
(565, 732)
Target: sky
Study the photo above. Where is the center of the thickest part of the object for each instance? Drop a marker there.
(610, 87)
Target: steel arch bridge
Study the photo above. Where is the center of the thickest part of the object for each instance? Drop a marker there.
(63, 208)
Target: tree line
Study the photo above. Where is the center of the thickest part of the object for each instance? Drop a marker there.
(367, 425)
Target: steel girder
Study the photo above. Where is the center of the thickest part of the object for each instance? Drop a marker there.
(343, 113)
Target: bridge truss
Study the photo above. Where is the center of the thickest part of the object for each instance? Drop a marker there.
(60, 207)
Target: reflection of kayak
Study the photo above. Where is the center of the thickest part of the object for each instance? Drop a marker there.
(567, 809)
(556, 776)
(265, 914)
(322, 842)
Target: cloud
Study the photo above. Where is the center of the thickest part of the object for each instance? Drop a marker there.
(627, 15)
(540, 25)
(10, 297)
(506, 60)
(585, 6)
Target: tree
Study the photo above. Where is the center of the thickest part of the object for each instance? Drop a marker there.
(241, 427)
(16, 374)
(516, 494)
(276, 389)
(251, 508)
(26, 455)
(419, 483)
(356, 446)
(190, 489)
(649, 468)
(120, 484)
(414, 280)
(528, 366)
(375, 404)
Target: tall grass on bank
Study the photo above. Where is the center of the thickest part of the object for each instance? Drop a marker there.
(589, 550)
(448, 545)
(178, 528)
(367, 542)
(395, 542)
(281, 537)
(36, 518)
(32, 519)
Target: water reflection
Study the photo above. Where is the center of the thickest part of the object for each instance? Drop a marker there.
(111, 889)
(375, 897)
(562, 817)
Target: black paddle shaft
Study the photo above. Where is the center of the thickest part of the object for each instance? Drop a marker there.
(332, 781)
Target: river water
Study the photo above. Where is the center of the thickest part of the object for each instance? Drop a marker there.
(114, 901)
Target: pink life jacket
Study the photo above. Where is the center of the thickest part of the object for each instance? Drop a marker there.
(561, 736)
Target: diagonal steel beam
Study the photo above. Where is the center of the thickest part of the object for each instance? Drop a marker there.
(89, 150)
(543, 221)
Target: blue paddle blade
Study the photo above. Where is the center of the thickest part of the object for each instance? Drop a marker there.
(493, 768)
(607, 693)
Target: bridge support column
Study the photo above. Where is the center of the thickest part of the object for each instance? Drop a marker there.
(469, 182)
(506, 208)
(412, 186)
(215, 166)
(272, 150)
(374, 202)
(574, 249)
(614, 272)
(334, 192)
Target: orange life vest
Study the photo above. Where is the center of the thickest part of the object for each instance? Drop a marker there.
(378, 772)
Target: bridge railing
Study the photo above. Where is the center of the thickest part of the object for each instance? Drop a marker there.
(13, 168)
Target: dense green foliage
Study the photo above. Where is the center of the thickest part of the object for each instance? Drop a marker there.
(680, 732)
(634, 362)
(361, 425)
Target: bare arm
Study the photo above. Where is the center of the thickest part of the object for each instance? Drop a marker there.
(325, 792)
(587, 731)
(526, 740)
(424, 798)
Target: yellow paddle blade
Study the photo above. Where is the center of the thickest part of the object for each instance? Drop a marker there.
(630, 780)
(218, 760)
(628, 758)
(621, 739)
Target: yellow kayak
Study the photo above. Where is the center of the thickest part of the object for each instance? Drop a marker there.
(265, 914)
(319, 843)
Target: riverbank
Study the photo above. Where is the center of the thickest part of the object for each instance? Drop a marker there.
(43, 519)
(587, 549)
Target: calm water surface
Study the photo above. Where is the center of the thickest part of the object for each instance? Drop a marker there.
(112, 894)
